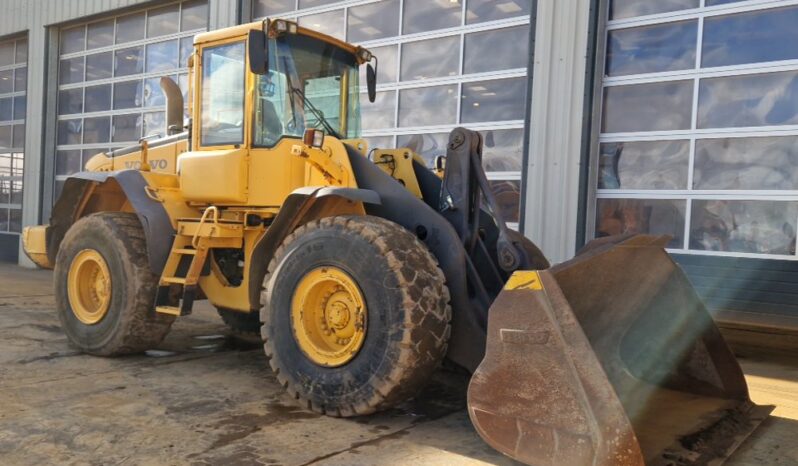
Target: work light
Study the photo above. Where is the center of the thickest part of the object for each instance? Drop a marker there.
(313, 137)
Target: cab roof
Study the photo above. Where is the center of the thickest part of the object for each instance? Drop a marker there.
(243, 29)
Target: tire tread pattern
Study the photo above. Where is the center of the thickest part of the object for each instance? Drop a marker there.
(426, 328)
(140, 327)
(240, 323)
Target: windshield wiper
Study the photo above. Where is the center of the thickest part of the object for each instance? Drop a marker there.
(318, 113)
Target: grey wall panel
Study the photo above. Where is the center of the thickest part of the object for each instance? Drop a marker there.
(223, 13)
(9, 248)
(739, 284)
(27, 13)
(556, 123)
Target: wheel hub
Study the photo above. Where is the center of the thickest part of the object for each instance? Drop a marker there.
(328, 316)
(339, 310)
(89, 286)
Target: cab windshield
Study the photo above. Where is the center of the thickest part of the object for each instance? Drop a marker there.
(310, 84)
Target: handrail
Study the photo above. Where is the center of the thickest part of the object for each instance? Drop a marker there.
(215, 210)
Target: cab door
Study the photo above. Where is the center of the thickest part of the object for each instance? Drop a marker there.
(276, 124)
(217, 172)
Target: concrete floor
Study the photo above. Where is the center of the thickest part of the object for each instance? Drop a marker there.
(206, 398)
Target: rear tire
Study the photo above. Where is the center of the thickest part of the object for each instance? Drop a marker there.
(406, 322)
(242, 324)
(129, 323)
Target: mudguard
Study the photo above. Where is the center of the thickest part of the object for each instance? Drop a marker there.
(153, 216)
(297, 209)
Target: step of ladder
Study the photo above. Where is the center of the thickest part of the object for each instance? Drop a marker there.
(174, 280)
(189, 282)
(171, 310)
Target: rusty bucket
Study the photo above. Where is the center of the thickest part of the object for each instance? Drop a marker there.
(609, 359)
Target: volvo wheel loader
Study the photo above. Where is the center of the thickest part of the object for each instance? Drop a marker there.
(363, 269)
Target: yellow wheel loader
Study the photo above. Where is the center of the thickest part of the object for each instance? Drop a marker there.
(363, 269)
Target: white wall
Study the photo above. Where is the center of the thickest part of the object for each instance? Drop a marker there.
(555, 148)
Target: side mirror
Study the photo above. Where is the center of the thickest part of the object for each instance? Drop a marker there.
(257, 51)
(371, 82)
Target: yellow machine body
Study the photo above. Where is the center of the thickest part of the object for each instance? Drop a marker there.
(162, 158)
(238, 180)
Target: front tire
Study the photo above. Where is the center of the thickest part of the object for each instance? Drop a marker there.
(355, 315)
(105, 289)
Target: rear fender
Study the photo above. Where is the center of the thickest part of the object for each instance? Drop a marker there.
(34, 243)
(302, 206)
(85, 193)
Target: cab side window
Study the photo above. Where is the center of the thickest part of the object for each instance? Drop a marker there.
(223, 90)
(273, 110)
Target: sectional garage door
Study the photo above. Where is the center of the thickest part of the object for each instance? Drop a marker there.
(108, 75)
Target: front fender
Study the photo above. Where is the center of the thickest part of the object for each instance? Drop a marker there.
(301, 206)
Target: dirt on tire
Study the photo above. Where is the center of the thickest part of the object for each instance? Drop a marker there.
(408, 324)
(130, 325)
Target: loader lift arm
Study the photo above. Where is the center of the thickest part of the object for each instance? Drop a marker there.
(445, 231)
(467, 201)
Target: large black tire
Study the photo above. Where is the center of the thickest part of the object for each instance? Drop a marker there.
(130, 325)
(408, 318)
(242, 324)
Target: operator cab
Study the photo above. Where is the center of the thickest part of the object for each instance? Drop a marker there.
(302, 80)
(307, 86)
(298, 80)
(264, 89)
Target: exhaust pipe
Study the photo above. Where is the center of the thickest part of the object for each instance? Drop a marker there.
(174, 106)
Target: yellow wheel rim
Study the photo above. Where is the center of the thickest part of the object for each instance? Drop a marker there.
(328, 316)
(89, 286)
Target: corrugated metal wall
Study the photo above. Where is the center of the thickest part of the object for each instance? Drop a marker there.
(38, 18)
(21, 15)
(762, 286)
(556, 125)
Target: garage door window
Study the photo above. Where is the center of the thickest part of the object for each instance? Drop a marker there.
(13, 105)
(108, 74)
(699, 130)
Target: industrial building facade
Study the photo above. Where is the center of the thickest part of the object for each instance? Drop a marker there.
(599, 117)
